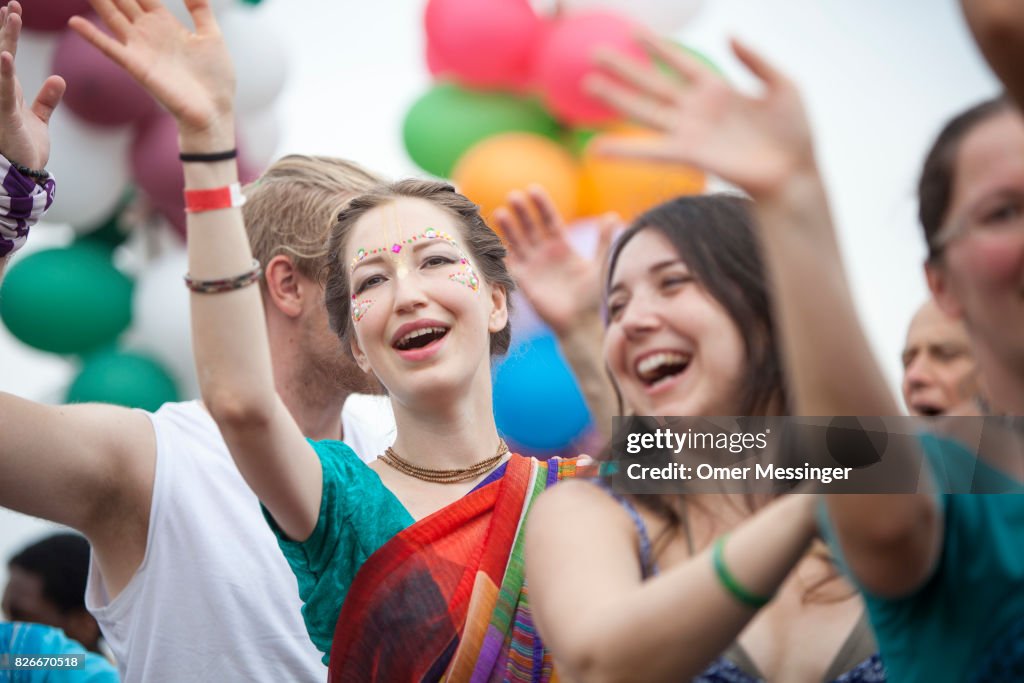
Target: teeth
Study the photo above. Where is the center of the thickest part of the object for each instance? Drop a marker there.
(651, 363)
(419, 333)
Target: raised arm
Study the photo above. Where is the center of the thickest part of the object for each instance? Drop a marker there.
(608, 624)
(24, 136)
(998, 28)
(191, 75)
(564, 289)
(89, 467)
(763, 145)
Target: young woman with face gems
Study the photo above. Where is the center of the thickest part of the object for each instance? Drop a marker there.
(411, 568)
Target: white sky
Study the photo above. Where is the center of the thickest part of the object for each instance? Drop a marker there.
(879, 77)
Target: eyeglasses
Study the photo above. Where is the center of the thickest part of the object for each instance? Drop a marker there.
(999, 212)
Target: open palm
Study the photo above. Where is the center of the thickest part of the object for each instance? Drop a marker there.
(189, 73)
(24, 133)
(561, 284)
(752, 142)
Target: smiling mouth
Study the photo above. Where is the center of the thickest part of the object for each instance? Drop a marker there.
(927, 409)
(659, 367)
(417, 339)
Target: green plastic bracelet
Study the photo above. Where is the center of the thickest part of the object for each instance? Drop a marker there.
(729, 581)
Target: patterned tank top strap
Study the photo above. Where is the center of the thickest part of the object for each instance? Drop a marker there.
(648, 566)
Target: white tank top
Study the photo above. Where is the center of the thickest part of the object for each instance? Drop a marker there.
(214, 599)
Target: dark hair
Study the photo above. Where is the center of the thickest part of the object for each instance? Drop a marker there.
(483, 244)
(714, 236)
(62, 561)
(935, 188)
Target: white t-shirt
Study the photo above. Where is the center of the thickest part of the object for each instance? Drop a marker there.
(368, 424)
(213, 599)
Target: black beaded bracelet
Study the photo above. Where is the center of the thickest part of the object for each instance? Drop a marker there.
(199, 157)
(40, 176)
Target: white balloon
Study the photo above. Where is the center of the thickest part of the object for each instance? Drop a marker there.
(90, 165)
(160, 319)
(261, 60)
(663, 16)
(260, 135)
(34, 61)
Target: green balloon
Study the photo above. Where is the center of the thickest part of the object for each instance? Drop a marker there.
(577, 139)
(68, 300)
(121, 378)
(448, 120)
(696, 54)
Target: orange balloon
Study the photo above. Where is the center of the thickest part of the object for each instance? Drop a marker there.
(630, 187)
(495, 166)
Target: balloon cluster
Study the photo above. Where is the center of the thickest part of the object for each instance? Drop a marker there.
(509, 109)
(115, 157)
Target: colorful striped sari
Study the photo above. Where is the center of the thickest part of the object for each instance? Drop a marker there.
(445, 600)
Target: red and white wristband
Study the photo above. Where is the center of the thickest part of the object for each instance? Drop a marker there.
(228, 197)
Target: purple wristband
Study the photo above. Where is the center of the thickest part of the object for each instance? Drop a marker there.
(23, 202)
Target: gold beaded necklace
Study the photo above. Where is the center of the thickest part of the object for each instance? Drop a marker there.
(454, 476)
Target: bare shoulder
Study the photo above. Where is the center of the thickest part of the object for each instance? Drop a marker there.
(582, 502)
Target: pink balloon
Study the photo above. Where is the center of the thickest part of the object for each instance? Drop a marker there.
(482, 44)
(99, 91)
(435, 63)
(50, 15)
(565, 59)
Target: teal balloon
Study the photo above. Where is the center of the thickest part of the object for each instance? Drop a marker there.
(448, 120)
(124, 379)
(67, 300)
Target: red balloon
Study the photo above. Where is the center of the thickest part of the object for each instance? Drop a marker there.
(50, 15)
(565, 59)
(99, 91)
(482, 44)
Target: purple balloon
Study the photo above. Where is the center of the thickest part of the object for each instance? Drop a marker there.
(156, 168)
(50, 15)
(99, 91)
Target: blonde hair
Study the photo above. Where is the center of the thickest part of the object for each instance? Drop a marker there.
(291, 207)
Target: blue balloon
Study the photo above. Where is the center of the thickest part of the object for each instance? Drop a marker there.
(536, 400)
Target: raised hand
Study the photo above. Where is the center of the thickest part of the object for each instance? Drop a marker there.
(24, 132)
(560, 284)
(189, 73)
(752, 142)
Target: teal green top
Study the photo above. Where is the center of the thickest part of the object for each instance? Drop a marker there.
(358, 515)
(966, 622)
(17, 638)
